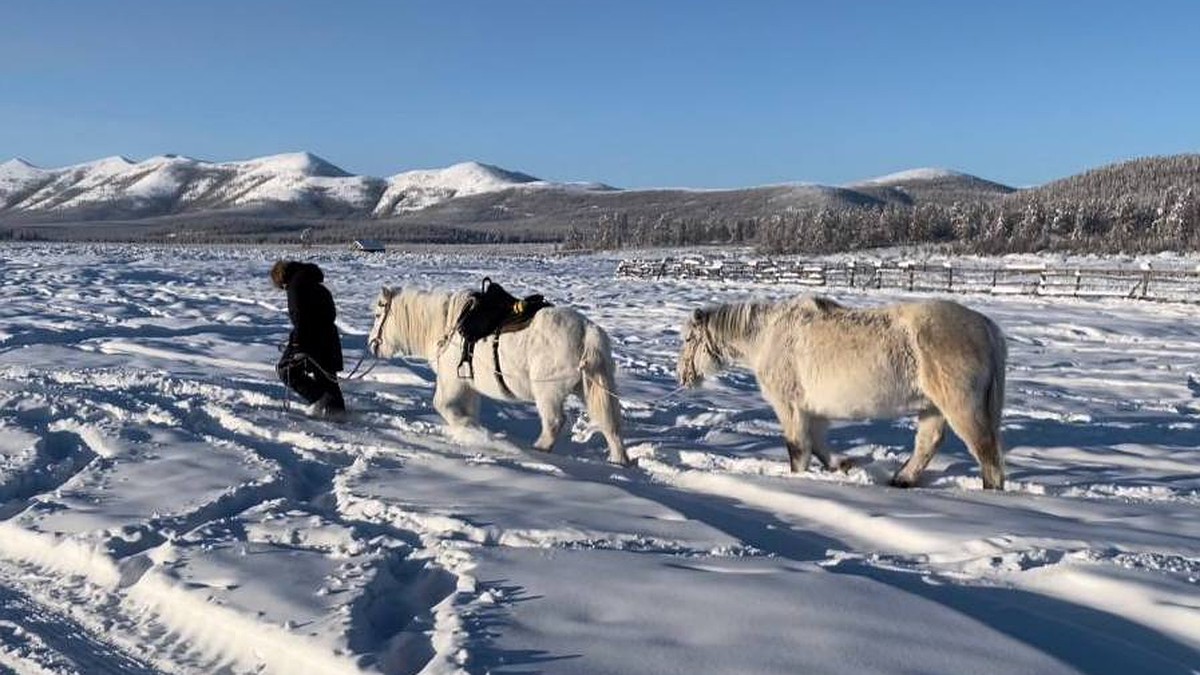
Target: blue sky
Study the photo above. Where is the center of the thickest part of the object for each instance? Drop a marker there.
(635, 94)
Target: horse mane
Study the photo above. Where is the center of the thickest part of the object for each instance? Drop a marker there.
(419, 319)
(735, 320)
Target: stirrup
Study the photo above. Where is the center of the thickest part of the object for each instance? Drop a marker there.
(470, 371)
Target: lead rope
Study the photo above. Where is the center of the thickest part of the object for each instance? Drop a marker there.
(372, 345)
(444, 343)
(354, 374)
(287, 391)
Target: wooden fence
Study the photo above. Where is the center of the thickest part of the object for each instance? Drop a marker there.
(1162, 285)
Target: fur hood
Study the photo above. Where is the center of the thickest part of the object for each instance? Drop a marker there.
(298, 273)
(303, 272)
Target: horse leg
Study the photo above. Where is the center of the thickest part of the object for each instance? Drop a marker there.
(931, 429)
(604, 409)
(550, 409)
(817, 428)
(972, 425)
(796, 435)
(456, 403)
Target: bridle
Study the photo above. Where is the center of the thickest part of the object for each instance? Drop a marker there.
(377, 339)
(701, 337)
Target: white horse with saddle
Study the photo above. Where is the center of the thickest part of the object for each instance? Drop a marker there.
(816, 360)
(559, 353)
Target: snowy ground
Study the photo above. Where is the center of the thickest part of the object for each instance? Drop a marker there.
(161, 512)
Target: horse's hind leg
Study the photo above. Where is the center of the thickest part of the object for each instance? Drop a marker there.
(991, 464)
(972, 427)
(550, 409)
(931, 429)
(984, 446)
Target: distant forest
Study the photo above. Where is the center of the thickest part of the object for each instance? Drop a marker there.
(241, 229)
(1143, 206)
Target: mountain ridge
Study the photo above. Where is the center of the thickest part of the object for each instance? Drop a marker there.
(118, 188)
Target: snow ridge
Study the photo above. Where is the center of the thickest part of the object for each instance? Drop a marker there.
(923, 174)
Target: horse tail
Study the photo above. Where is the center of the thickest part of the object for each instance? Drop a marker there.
(991, 453)
(600, 390)
(998, 358)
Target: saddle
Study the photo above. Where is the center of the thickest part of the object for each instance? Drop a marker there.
(492, 311)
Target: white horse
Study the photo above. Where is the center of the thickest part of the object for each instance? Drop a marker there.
(816, 360)
(560, 353)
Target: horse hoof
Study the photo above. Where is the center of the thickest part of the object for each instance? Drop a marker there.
(844, 465)
(900, 482)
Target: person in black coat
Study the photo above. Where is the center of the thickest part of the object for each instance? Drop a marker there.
(313, 355)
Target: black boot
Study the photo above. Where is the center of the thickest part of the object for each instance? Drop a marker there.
(330, 406)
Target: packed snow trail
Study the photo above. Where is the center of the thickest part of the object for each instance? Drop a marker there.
(160, 511)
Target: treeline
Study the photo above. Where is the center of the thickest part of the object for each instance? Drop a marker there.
(19, 234)
(234, 229)
(1025, 222)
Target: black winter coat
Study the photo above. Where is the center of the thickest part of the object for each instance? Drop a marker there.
(311, 309)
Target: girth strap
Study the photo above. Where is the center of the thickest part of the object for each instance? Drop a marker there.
(499, 375)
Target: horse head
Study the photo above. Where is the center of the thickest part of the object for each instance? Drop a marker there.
(699, 356)
(382, 309)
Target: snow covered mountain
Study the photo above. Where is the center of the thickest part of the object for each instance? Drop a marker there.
(930, 184)
(301, 184)
(116, 187)
(415, 190)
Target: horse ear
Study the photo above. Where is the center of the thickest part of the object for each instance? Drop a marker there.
(698, 314)
(825, 304)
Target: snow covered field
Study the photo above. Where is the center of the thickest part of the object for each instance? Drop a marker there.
(162, 512)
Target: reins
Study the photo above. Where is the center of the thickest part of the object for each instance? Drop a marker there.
(373, 345)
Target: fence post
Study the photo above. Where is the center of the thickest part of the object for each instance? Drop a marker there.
(910, 277)
(949, 278)
(1078, 281)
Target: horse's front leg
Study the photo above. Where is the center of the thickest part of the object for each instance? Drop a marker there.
(796, 436)
(817, 434)
(457, 403)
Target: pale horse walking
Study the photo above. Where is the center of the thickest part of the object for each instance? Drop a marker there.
(816, 360)
(560, 353)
